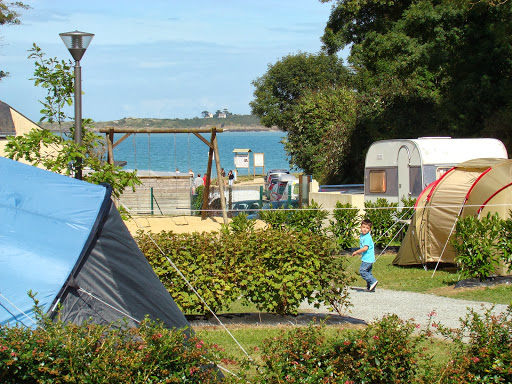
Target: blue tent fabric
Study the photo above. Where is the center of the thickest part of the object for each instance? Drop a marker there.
(64, 240)
(46, 222)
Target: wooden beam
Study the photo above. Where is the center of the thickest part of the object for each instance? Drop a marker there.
(206, 192)
(159, 130)
(220, 180)
(127, 135)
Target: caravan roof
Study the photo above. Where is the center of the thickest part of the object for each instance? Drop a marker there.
(435, 150)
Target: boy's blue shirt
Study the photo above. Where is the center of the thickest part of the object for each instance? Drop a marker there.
(369, 255)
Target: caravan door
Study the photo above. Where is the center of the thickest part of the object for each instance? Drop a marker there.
(404, 160)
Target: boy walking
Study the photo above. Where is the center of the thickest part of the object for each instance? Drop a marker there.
(367, 249)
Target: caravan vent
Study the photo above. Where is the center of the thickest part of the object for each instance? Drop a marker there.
(380, 156)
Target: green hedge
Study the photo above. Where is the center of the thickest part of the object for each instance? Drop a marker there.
(274, 270)
(67, 353)
(481, 245)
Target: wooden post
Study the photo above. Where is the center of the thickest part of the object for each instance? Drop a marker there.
(206, 191)
(219, 178)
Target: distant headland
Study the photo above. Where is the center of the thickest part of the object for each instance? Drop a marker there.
(235, 123)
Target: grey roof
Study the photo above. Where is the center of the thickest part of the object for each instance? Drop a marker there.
(6, 123)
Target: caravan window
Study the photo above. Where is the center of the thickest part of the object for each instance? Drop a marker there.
(377, 181)
(415, 180)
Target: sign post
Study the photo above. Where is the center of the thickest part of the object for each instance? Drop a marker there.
(259, 161)
(242, 159)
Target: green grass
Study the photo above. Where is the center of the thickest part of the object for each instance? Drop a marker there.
(416, 279)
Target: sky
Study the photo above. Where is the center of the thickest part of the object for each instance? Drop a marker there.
(159, 58)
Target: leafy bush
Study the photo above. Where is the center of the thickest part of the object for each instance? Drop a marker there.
(383, 215)
(275, 219)
(344, 225)
(286, 268)
(197, 200)
(384, 352)
(88, 353)
(481, 245)
(212, 264)
(275, 270)
(481, 348)
(240, 223)
(308, 219)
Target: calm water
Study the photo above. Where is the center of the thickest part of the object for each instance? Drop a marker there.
(166, 152)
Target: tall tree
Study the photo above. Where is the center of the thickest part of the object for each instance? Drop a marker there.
(320, 133)
(286, 81)
(427, 66)
(10, 16)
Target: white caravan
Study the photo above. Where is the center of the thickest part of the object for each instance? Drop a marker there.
(402, 168)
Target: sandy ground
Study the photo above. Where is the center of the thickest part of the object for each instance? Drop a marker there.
(177, 224)
(183, 224)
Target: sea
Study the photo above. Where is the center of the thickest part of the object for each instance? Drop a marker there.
(168, 152)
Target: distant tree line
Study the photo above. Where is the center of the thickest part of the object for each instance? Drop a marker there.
(415, 68)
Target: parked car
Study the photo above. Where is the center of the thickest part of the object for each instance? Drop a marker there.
(275, 175)
(274, 171)
(275, 205)
(248, 207)
(280, 190)
(273, 182)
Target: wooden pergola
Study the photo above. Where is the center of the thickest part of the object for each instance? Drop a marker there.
(213, 150)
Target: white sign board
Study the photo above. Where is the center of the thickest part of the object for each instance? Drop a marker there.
(242, 160)
(259, 159)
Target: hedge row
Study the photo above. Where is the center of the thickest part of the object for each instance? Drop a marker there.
(273, 269)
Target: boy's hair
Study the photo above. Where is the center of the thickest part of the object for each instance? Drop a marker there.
(368, 222)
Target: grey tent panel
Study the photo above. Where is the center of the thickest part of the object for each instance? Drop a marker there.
(120, 280)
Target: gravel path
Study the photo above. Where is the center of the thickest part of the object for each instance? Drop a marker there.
(369, 306)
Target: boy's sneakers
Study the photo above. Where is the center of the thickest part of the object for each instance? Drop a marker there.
(372, 287)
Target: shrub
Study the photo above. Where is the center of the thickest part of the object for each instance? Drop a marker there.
(344, 225)
(275, 219)
(309, 219)
(481, 349)
(286, 268)
(88, 353)
(240, 223)
(476, 243)
(384, 352)
(383, 214)
(275, 270)
(197, 200)
(211, 263)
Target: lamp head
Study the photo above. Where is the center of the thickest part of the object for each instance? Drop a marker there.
(76, 42)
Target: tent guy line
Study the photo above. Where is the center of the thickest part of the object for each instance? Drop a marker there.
(108, 305)
(194, 290)
(18, 309)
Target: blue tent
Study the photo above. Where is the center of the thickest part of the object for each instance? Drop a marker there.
(64, 240)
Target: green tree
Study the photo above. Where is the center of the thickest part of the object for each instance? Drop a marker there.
(9, 16)
(286, 81)
(58, 152)
(447, 61)
(57, 78)
(319, 136)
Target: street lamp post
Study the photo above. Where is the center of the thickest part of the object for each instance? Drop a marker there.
(77, 42)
